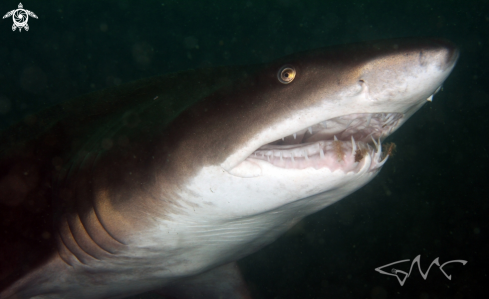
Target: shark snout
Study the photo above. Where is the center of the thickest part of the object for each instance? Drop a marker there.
(448, 53)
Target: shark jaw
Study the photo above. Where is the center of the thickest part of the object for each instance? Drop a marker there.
(345, 144)
(325, 161)
(341, 143)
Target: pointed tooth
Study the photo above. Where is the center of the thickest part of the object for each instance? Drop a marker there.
(323, 124)
(368, 120)
(283, 139)
(295, 135)
(305, 155)
(381, 163)
(335, 139)
(310, 130)
(292, 158)
(376, 145)
(268, 158)
(280, 153)
(348, 125)
(321, 152)
(430, 99)
(353, 146)
(379, 150)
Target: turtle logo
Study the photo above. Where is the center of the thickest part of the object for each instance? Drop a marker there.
(20, 17)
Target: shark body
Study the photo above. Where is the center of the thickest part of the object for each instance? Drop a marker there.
(163, 183)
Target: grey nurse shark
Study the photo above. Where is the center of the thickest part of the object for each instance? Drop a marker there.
(162, 184)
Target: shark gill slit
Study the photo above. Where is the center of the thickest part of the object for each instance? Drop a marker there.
(85, 225)
(103, 226)
(72, 244)
(65, 245)
(76, 216)
(63, 250)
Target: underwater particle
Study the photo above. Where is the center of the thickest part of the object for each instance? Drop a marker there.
(191, 42)
(57, 162)
(107, 143)
(33, 79)
(123, 141)
(378, 292)
(104, 27)
(30, 120)
(5, 105)
(142, 53)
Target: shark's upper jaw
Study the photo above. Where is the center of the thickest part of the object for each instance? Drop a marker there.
(338, 143)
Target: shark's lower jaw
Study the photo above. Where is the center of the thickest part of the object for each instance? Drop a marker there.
(340, 143)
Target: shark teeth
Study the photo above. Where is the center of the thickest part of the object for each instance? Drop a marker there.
(378, 147)
(344, 155)
(337, 143)
(362, 126)
(353, 146)
(381, 163)
(369, 118)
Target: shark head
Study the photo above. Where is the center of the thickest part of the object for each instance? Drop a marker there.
(294, 136)
(310, 124)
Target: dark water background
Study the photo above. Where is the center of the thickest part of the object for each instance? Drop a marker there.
(431, 199)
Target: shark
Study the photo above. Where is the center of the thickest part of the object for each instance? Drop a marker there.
(164, 183)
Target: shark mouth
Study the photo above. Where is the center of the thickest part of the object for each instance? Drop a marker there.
(337, 143)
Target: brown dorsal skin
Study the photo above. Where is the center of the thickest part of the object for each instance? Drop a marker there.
(46, 164)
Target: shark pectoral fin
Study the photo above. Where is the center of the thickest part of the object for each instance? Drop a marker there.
(222, 282)
(49, 278)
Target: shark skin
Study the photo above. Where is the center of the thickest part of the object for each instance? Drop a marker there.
(162, 184)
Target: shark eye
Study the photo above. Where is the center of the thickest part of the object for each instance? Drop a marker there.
(286, 74)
